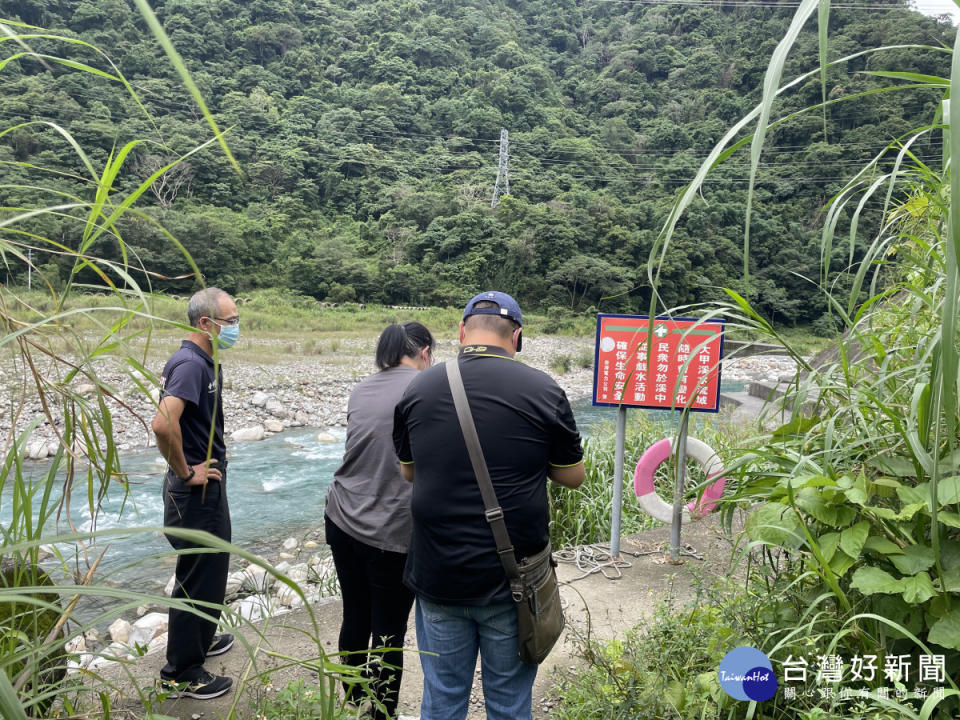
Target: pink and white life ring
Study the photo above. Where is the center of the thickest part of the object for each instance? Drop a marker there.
(654, 456)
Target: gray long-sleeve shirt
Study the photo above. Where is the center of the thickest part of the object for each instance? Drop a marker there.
(368, 498)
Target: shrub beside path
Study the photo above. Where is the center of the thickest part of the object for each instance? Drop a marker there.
(604, 608)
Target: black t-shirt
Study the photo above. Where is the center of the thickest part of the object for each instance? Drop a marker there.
(525, 423)
(189, 375)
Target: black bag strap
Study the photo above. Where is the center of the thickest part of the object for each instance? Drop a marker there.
(494, 513)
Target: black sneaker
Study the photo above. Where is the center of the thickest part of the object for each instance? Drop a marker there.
(206, 686)
(221, 643)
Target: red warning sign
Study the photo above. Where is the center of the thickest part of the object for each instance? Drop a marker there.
(682, 368)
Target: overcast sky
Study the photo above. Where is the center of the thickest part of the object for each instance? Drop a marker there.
(937, 7)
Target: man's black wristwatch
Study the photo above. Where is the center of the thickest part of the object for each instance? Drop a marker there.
(190, 475)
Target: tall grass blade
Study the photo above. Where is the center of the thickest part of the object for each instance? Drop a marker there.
(157, 29)
(771, 85)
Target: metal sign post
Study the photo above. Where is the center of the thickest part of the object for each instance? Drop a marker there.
(618, 483)
(660, 363)
(678, 490)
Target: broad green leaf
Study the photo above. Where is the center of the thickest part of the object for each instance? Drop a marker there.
(896, 466)
(845, 482)
(949, 518)
(815, 481)
(914, 559)
(881, 545)
(913, 495)
(774, 523)
(949, 554)
(946, 630)
(813, 503)
(908, 511)
(951, 580)
(799, 425)
(890, 482)
(899, 613)
(870, 580)
(828, 545)
(676, 695)
(856, 495)
(918, 589)
(841, 562)
(948, 491)
(853, 538)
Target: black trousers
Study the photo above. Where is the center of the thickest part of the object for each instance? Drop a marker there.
(200, 576)
(376, 605)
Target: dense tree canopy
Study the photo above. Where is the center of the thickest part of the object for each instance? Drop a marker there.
(368, 133)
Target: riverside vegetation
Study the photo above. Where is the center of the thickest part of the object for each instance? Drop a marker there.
(851, 542)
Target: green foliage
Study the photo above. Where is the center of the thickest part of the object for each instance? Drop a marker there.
(56, 338)
(299, 700)
(663, 669)
(584, 358)
(560, 363)
(367, 135)
(583, 516)
(868, 518)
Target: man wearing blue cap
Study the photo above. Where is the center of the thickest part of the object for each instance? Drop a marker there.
(527, 434)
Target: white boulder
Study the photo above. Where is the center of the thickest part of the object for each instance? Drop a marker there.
(248, 434)
(288, 597)
(326, 437)
(147, 628)
(299, 573)
(259, 399)
(157, 644)
(234, 583)
(273, 425)
(38, 450)
(275, 407)
(119, 630)
(256, 579)
(76, 645)
(254, 607)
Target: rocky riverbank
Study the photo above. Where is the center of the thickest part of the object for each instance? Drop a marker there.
(252, 594)
(293, 390)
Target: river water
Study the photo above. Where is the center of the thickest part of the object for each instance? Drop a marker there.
(276, 489)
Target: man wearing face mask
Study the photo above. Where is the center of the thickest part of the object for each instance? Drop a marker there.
(189, 431)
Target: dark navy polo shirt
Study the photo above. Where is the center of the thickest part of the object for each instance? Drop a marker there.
(525, 424)
(189, 375)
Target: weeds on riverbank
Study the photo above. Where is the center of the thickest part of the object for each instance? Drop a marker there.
(583, 516)
(664, 668)
(59, 339)
(853, 537)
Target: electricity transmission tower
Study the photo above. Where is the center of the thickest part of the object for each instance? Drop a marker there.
(503, 173)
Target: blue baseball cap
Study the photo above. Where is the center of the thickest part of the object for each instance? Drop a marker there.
(506, 306)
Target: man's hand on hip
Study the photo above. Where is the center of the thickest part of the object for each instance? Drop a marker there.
(204, 472)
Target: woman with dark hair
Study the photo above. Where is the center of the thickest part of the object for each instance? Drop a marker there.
(367, 517)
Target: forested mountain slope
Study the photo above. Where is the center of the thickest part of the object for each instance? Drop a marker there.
(369, 135)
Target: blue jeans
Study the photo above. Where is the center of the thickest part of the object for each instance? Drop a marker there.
(456, 633)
